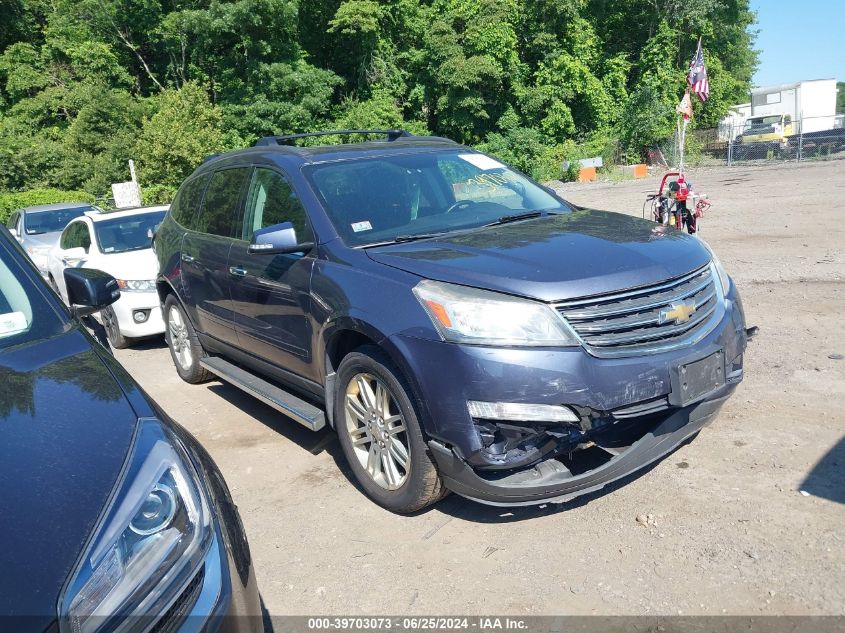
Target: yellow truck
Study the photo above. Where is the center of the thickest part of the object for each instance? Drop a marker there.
(763, 135)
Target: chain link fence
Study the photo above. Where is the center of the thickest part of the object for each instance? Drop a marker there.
(767, 139)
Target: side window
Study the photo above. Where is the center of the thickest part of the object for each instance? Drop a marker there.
(271, 200)
(66, 241)
(217, 216)
(13, 221)
(76, 235)
(84, 236)
(184, 208)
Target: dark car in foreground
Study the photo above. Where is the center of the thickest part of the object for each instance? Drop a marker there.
(114, 517)
(460, 326)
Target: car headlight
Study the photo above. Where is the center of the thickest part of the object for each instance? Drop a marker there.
(724, 278)
(469, 315)
(137, 285)
(150, 542)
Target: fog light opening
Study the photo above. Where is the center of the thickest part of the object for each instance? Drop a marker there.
(140, 316)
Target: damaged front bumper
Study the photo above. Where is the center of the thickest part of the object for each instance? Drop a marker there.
(552, 481)
(626, 412)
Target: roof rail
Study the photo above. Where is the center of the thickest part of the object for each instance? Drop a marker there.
(288, 139)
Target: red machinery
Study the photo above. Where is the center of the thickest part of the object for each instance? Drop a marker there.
(671, 204)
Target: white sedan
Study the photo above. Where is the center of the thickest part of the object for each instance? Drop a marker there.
(118, 243)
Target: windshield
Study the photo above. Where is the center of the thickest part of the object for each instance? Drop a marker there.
(396, 198)
(129, 233)
(52, 221)
(25, 313)
(765, 121)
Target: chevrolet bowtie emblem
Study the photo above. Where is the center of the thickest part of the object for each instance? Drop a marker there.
(677, 312)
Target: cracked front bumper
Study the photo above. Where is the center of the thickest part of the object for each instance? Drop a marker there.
(641, 394)
(550, 482)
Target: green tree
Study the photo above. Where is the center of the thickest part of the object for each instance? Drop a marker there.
(179, 136)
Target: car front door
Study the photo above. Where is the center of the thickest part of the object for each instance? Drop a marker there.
(271, 293)
(76, 235)
(205, 252)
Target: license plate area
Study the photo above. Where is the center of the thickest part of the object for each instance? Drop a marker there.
(696, 378)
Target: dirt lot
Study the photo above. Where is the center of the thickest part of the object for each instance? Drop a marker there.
(730, 531)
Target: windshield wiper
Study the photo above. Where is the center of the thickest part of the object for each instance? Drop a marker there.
(507, 219)
(418, 236)
(399, 239)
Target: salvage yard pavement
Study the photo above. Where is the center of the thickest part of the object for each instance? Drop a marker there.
(746, 519)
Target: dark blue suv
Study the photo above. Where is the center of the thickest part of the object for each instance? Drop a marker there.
(459, 325)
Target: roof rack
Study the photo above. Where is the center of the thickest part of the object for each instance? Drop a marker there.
(288, 139)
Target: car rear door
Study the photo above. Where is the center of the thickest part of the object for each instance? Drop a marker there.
(205, 252)
(271, 293)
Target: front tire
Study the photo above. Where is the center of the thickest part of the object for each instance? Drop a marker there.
(112, 327)
(380, 433)
(185, 347)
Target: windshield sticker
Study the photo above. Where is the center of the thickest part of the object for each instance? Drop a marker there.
(362, 226)
(484, 163)
(12, 323)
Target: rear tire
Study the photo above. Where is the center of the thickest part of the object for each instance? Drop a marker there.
(380, 434)
(112, 327)
(185, 347)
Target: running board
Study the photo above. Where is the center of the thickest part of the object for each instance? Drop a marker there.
(292, 406)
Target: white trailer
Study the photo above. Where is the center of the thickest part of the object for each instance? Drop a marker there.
(813, 103)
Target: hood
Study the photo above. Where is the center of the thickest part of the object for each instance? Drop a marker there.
(140, 264)
(553, 258)
(42, 239)
(65, 431)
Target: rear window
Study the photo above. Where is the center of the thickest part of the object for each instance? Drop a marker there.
(184, 207)
(38, 222)
(217, 216)
(132, 233)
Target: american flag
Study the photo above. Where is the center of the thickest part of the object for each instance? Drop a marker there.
(697, 75)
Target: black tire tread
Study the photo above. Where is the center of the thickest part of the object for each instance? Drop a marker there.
(198, 373)
(432, 487)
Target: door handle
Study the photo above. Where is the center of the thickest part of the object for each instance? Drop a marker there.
(237, 271)
(187, 258)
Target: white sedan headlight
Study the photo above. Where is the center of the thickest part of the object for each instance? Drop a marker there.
(137, 285)
(150, 542)
(469, 315)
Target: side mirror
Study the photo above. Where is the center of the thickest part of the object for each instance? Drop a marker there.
(74, 255)
(277, 239)
(90, 290)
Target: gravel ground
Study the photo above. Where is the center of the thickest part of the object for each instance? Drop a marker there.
(723, 525)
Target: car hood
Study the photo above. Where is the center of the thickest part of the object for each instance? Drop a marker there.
(65, 431)
(48, 240)
(140, 264)
(554, 257)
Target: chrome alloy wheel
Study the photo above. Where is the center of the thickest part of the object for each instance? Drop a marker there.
(179, 341)
(377, 430)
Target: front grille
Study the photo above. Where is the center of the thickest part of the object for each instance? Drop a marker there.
(628, 323)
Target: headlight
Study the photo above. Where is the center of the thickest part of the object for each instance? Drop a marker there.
(149, 544)
(724, 278)
(469, 315)
(137, 285)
